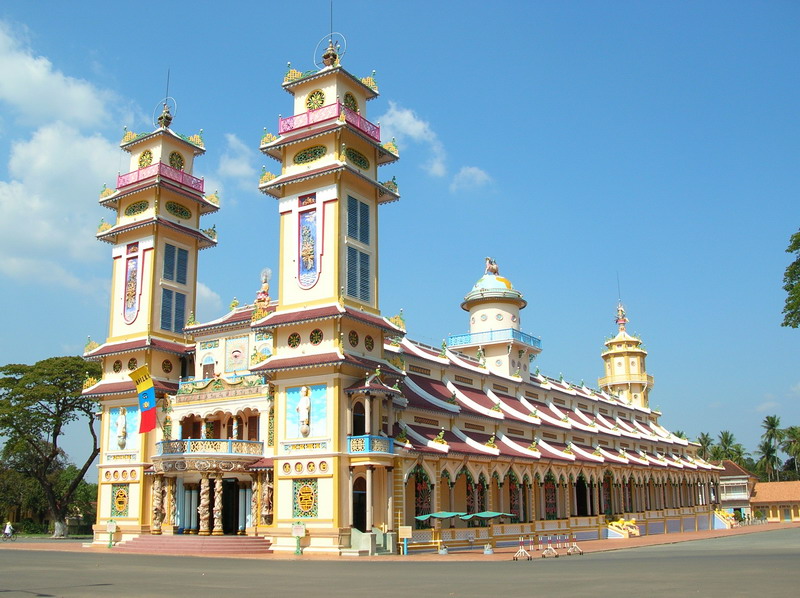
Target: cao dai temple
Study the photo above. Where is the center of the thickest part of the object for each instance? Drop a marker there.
(312, 411)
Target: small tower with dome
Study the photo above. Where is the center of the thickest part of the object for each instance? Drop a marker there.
(625, 372)
(494, 336)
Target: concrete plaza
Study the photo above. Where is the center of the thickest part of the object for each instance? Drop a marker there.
(739, 563)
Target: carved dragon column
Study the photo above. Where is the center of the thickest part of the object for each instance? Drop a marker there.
(203, 509)
(254, 496)
(157, 492)
(217, 506)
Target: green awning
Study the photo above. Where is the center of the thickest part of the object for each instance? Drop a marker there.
(438, 515)
(486, 515)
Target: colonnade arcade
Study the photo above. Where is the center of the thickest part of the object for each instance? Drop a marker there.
(548, 493)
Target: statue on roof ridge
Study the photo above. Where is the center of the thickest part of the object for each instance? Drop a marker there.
(165, 119)
(621, 318)
(491, 267)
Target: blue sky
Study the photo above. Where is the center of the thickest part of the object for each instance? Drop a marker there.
(571, 141)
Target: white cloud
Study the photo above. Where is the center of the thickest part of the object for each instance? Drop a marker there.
(49, 206)
(795, 390)
(402, 124)
(209, 303)
(237, 163)
(767, 406)
(469, 177)
(37, 92)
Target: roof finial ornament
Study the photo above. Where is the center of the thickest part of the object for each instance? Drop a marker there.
(491, 266)
(621, 319)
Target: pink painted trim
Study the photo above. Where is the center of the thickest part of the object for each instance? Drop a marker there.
(329, 112)
(164, 170)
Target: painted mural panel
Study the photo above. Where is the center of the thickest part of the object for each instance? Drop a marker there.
(123, 429)
(306, 411)
(236, 353)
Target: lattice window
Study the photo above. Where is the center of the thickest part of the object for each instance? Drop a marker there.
(550, 498)
(422, 495)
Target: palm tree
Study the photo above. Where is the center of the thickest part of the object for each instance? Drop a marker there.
(791, 443)
(705, 441)
(728, 448)
(680, 434)
(773, 435)
(768, 461)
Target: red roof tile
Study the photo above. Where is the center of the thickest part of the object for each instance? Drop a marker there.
(118, 388)
(278, 318)
(136, 345)
(776, 492)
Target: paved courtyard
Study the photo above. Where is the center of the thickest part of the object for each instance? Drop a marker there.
(744, 564)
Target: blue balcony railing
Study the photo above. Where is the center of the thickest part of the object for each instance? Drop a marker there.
(210, 446)
(506, 334)
(370, 444)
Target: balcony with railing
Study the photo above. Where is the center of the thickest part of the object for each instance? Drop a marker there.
(490, 336)
(210, 447)
(160, 169)
(370, 444)
(326, 113)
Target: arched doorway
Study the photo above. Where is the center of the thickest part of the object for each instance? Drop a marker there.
(581, 497)
(360, 504)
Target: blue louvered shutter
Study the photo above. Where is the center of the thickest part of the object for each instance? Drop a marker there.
(352, 217)
(166, 309)
(352, 271)
(363, 275)
(182, 266)
(169, 262)
(180, 312)
(363, 223)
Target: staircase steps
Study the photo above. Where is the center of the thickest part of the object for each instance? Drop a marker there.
(194, 545)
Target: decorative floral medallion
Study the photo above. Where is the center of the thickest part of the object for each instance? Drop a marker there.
(316, 99)
(145, 159)
(323, 466)
(298, 467)
(176, 161)
(369, 342)
(294, 340)
(136, 208)
(132, 363)
(117, 367)
(350, 102)
(311, 467)
(166, 366)
(353, 338)
(357, 158)
(178, 210)
(310, 154)
(287, 468)
(316, 336)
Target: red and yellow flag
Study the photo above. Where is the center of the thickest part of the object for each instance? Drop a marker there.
(147, 398)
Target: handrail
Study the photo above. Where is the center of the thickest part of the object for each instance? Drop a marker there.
(329, 112)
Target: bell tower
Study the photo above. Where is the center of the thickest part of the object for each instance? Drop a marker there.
(328, 190)
(624, 358)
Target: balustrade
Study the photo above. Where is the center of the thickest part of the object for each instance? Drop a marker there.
(329, 112)
(370, 444)
(210, 446)
(164, 170)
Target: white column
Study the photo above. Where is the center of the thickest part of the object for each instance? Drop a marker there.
(368, 414)
(370, 520)
(390, 498)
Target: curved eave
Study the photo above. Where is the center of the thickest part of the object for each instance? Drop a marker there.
(110, 235)
(276, 185)
(371, 94)
(112, 201)
(273, 149)
(196, 149)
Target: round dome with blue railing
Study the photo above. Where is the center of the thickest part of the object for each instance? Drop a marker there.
(493, 287)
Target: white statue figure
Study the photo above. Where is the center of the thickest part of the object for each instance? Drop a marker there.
(122, 428)
(304, 410)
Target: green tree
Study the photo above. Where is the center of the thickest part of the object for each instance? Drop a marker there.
(773, 435)
(706, 442)
(768, 460)
(790, 444)
(36, 403)
(791, 284)
(728, 448)
(680, 434)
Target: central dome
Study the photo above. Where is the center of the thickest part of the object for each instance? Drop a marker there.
(493, 287)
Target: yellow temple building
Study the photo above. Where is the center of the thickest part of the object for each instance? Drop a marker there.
(312, 417)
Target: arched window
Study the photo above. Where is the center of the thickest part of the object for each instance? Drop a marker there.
(359, 420)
